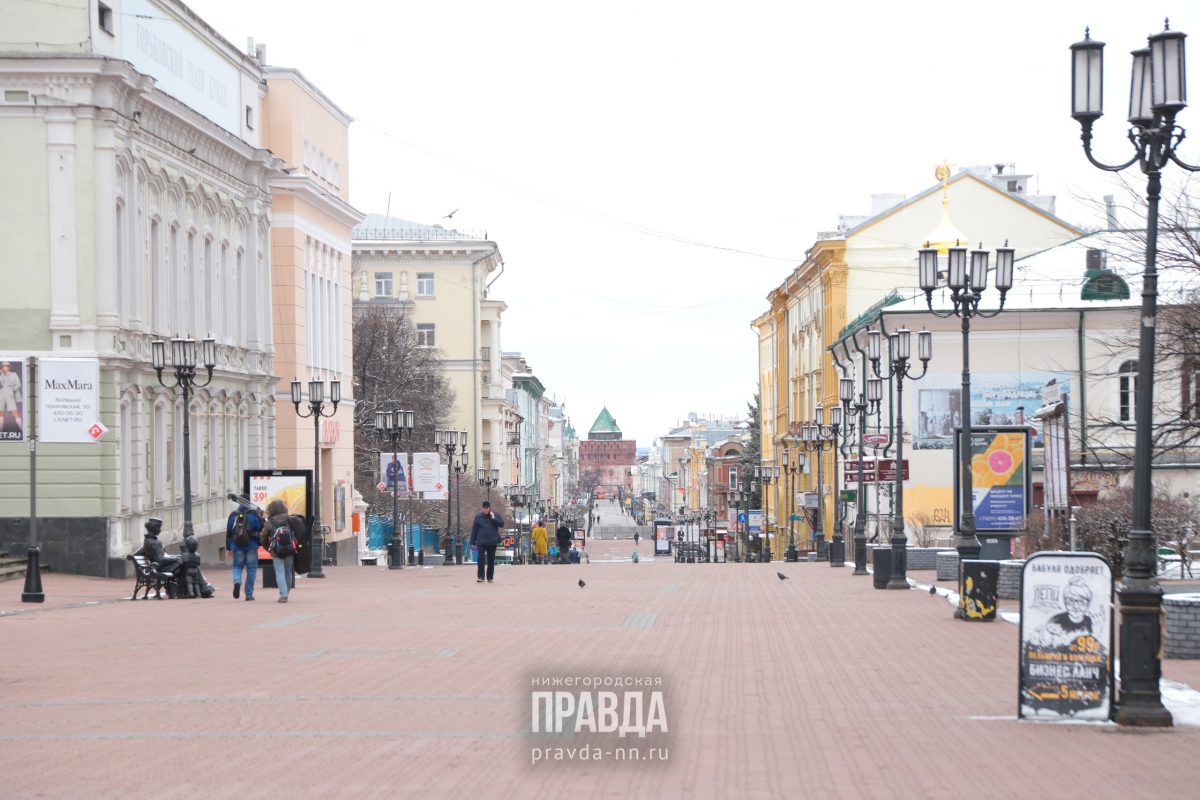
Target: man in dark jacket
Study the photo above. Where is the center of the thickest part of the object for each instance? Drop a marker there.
(485, 535)
(562, 538)
(245, 553)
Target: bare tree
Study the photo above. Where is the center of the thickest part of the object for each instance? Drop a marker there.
(1177, 342)
(1104, 525)
(392, 371)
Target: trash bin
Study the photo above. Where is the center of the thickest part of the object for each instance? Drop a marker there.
(978, 588)
(881, 560)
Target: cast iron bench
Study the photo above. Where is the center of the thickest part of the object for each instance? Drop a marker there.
(147, 575)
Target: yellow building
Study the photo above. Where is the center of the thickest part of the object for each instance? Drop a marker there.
(310, 283)
(847, 271)
(439, 277)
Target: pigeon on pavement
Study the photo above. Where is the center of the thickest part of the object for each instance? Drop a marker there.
(581, 583)
(933, 590)
(782, 577)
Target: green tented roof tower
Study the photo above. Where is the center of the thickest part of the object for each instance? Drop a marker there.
(605, 427)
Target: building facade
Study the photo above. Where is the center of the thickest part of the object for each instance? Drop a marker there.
(868, 261)
(136, 208)
(440, 279)
(311, 222)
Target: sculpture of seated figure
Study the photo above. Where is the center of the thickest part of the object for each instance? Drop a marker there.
(194, 583)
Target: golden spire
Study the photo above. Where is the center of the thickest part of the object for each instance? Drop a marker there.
(945, 235)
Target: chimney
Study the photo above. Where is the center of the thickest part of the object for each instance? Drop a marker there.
(1095, 260)
(260, 52)
(1110, 211)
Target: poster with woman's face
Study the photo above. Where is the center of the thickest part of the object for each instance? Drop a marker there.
(1066, 637)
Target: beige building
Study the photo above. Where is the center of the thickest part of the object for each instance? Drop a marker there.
(861, 265)
(440, 278)
(311, 222)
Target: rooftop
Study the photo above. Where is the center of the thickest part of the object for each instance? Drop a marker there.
(378, 227)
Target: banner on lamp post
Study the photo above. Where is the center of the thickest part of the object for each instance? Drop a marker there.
(68, 399)
(12, 399)
(426, 472)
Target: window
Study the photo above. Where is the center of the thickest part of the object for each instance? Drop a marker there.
(1127, 390)
(1189, 407)
(383, 284)
(733, 477)
(425, 334)
(424, 284)
(104, 18)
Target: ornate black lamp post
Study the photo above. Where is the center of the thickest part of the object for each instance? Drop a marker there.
(183, 361)
(316, 410)
(393, 425)
(768, 475)
(1158, 92)
(517, 498)
(481, 475)
(966, 290)
(857, 409)
(455, 445)
(900, 352)
(791, 468)
(817, 437)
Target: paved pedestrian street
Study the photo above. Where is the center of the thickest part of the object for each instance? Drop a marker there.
(419, 683)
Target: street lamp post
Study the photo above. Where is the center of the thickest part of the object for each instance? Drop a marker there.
(1158, 92)
(183, 361)
(857, 409)
(481, 475)
(768, 475)
(817, 437)
(316, 410)
(791, 467)
(454, 443)
(393, 425)
(899, 352)
(966, 290)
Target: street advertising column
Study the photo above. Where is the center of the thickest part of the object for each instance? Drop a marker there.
(1066, 659)
(292, 486)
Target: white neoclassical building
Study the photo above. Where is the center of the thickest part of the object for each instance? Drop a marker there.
(135, 207)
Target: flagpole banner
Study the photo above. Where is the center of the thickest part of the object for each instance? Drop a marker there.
(12, 399)
(393, 469)
(426, 472)
(68, 400)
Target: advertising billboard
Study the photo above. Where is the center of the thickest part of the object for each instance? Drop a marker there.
(1000, 478)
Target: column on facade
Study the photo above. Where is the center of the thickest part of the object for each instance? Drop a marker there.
(64, 274)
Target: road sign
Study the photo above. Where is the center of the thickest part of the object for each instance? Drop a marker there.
(874, 470)
(875, 438)
(849, 495)
(887, 469)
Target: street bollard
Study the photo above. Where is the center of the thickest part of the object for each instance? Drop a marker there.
(412, 555)
(420, 558)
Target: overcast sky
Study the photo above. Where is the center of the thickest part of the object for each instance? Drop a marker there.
(650, 170)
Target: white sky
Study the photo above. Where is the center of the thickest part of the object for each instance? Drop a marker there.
(747, 125)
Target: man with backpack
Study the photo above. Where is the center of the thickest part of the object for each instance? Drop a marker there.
(242, 531)
(282, 539)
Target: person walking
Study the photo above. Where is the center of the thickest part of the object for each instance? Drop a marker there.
(562, 538)
(281, 539)
(540, 548)
(242, 532)
(485, 535)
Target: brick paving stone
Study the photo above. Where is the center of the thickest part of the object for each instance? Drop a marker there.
(377, 683)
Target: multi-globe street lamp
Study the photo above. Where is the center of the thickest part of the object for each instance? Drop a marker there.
(857, 407)
(517, 498)
(183, 361)
(901, 367)
(967, 283)
(791, 468)
(394, 425)
(316, 410)
(768, 475)
(454, 443)
(481, 475)
(1158, 92)
(817, 437)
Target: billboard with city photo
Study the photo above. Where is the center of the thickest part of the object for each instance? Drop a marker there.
(996, 399)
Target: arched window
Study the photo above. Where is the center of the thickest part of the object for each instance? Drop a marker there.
(1127, 390)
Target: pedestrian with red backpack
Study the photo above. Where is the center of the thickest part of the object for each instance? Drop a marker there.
(281, 541)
